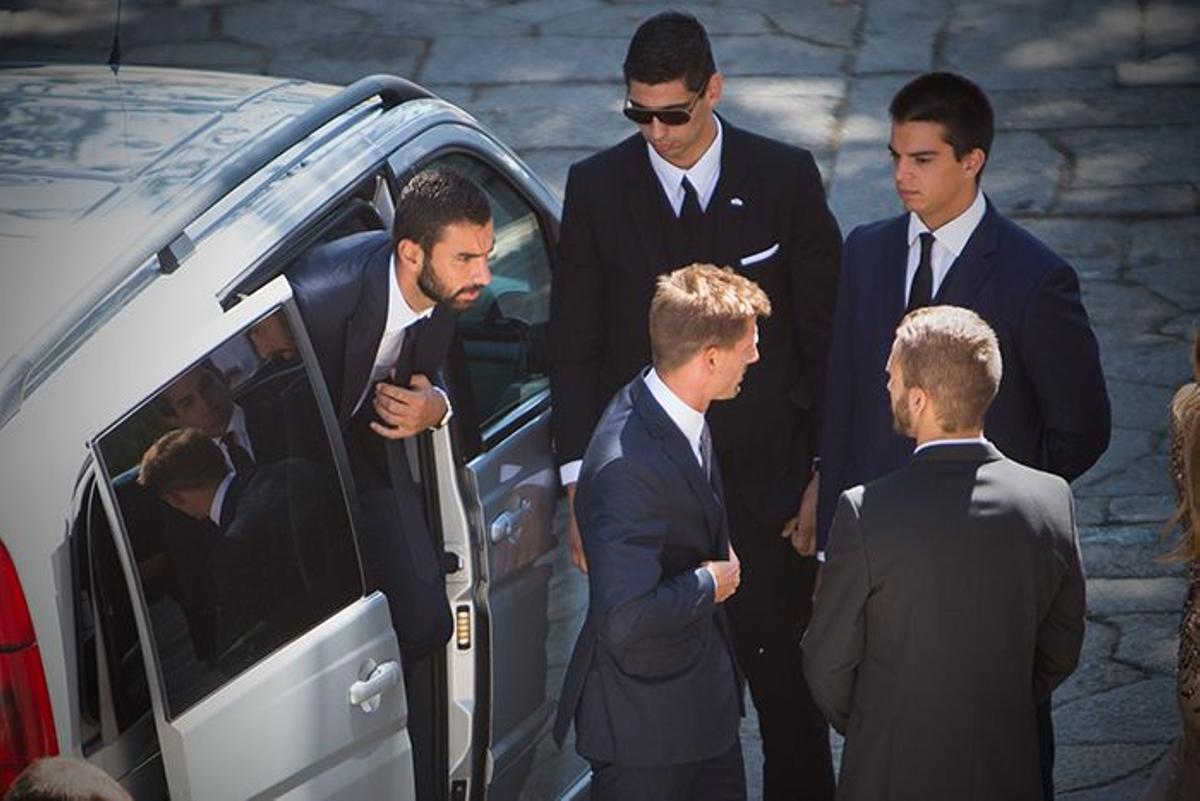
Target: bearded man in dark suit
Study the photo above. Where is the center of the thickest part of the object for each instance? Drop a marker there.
(952, 598)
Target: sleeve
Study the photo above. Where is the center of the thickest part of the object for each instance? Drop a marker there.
(838, 417)
(1062, 358)
(816, 249)
(576, 327)
(834, 643)
(623, 530)
(1060, 633)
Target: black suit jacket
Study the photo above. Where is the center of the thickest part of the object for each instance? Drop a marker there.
(1052, 410)
(341, 288)
(618, 235)
(652, 679)
(951, 604)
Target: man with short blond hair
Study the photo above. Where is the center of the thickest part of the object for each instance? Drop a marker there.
(653, 686)
(952, 598)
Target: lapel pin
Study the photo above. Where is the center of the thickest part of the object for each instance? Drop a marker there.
(736, 201)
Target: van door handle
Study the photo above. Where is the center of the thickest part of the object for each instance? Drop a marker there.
(378, 679)
(509, 524)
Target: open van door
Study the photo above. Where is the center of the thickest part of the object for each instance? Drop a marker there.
(271, 674)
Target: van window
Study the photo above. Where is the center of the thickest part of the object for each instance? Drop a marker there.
(232, 511)
(503, 334)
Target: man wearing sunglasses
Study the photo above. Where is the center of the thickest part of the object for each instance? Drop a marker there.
(688, 187)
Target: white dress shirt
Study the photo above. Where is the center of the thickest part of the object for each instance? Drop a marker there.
(703, 175)
(237, 427)
(948, 243)
(936, 443)
(399, 317)
(688, 420)
(218, 501)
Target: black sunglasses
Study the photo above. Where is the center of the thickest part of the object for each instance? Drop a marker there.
(667, 116)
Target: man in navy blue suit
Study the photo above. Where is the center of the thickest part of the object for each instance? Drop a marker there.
(653, 686)
(380, 311)
(953, 247)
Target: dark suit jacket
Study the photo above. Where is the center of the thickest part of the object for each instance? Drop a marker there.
(618, 235)
(652, 679)
(1052, 410)
(951, 604)
(341, 288)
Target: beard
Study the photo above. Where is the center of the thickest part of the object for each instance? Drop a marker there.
(901, 419)
(433, 287)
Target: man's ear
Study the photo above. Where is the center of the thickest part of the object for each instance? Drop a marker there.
(716, 86)
(410, 256)
(973, 162)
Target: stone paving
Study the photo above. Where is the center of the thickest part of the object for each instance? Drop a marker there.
(1097, 152)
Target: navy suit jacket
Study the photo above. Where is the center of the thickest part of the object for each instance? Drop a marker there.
(652, 680)
(341, 288)
(1052, 410)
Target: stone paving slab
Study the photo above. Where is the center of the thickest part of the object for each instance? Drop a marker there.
(1107, 596)
(1141, 713)
(1089, 766)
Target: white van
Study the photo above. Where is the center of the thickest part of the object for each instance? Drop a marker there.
(146, 218)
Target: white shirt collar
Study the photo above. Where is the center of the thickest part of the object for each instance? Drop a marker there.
(687, 419)
(399, 314)
(237, 427)
(218, 501)
(703, 175)
(953, 235)
(937, 443)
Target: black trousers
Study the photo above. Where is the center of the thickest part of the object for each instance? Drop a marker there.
(1046, 748)
(419, 688)
(721, 778)
(768, 615)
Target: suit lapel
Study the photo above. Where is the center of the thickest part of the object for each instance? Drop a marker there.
(680, 452)
(732, 199)
(894, 266)
(364, 329)
(649, 212)
(973, 265)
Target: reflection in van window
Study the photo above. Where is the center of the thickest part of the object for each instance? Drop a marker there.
(233, 512)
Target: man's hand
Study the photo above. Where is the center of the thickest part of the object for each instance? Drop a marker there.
(727, 574)
(574, 538)
(405, 412)
(802, 529)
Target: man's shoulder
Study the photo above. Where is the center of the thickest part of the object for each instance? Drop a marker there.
(871, 233)
(340, 261)
(1023, 249)
(614, 160)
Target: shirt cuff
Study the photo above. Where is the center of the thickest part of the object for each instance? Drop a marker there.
(820, 556)
(569, 472)
(705, 576)
(449, 409)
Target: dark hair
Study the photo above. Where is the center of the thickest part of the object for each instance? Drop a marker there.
(162, 404)
(433, 199)
(957, 103)
(667, 47)
(181, 459)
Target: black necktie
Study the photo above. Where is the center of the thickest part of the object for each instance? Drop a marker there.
(238, 456)
(921, 293)
(406, 359)
(690, 214)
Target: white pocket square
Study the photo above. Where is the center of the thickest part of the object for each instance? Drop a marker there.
(762, 255)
